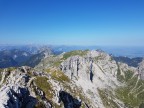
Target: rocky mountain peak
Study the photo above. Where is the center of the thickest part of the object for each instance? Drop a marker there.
(77, 79)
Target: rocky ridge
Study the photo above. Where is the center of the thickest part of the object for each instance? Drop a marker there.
(77, 79)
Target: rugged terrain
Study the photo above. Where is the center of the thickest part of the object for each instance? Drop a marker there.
(76, 79)
(30, 56)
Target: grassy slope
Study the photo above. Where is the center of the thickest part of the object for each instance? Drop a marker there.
(132, 94)
(107, 99)
(74, 53)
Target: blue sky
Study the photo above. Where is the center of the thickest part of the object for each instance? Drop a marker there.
(72, 22)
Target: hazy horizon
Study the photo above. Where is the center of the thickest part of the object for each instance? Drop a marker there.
(127, 51)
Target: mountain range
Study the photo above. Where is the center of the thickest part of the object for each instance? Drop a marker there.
(75, 79)
(31, 55)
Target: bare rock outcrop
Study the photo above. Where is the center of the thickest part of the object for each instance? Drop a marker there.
(141, 70)
(17, 90)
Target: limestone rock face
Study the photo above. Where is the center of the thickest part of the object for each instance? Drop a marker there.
(95, 67)
(81, 79)
(93, 71)
(96, 70)
(16, 97)
(21, 89)
(141, 70)
(16, 90)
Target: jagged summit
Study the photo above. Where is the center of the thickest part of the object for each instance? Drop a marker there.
(76, 79)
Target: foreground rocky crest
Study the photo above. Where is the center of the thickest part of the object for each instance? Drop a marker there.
(86, 79)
